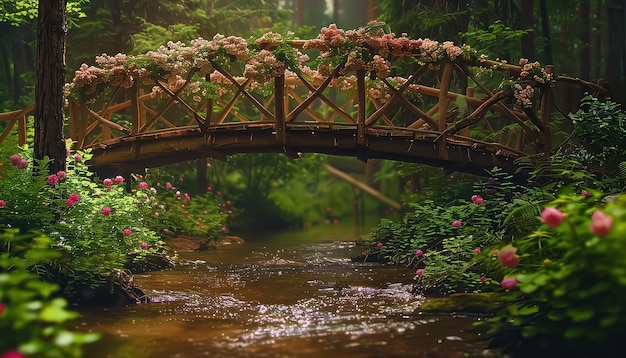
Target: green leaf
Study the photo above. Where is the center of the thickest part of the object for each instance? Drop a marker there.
(56, 312)
(528, 288)
(580, 314)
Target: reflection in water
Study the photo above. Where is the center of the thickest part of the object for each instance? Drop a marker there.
(279, 296)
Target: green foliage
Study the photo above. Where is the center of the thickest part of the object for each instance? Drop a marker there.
(600, 129)
(33, 321)
(164, 208)
(491, 215)
(23, 11)
(571, 283)
(496, 40)
(97, 227)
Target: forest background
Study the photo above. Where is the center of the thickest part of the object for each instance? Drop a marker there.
(582, 38)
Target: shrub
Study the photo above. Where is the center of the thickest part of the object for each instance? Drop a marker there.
(96, 226)
(566, 289)
(33, 321)
(165, 209)
(451, 234)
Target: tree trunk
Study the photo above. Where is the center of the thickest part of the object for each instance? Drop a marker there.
(545, 31)
(585, 39)
(615, 64)
(528, 19)
(50, 80)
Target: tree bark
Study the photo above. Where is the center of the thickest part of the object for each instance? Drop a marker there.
(616, 58)
(528, 19)
(545, 30)
(50, 80)
(585, 39)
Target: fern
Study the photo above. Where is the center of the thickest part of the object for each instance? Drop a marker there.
(523, 219)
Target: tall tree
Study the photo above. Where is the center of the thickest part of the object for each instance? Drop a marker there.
(50, 80)
(616, 57)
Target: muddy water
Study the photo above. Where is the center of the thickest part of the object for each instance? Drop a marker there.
(294, 294)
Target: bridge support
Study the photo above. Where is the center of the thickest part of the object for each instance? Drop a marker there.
(279, 105)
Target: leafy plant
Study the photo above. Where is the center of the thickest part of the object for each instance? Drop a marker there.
(34, 322)
(97, 226)
(563, 285)
(600, 127)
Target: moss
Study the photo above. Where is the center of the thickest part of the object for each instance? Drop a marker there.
(468, 303)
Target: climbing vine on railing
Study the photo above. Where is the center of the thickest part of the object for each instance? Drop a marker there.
(372, 48)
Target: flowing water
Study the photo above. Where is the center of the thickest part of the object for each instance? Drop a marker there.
(294, 294)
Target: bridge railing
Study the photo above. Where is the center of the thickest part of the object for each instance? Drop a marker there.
(429, 92)
(445, 102)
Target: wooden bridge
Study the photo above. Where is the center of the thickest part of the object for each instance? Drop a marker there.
(442, 114)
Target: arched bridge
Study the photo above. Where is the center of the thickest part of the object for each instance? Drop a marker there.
(452, 113)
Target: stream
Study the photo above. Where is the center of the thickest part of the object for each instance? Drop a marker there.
(291, 294)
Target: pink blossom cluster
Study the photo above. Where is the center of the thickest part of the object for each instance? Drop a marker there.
(53, 179)
(18, 161)
(368, 48)
(263, 67)
(379, 90)
(72, 199)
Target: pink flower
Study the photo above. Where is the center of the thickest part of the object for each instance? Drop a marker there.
(53, 179)
(419, 272)
(15, 160)
(143, 245)
(477, 200)
(187, 197)
(551, 216)
(166, 231)
(62, 175)
(482, 279)
(143, 185)
(127, 232)
(585, 193)
(168, 185)
(106, 211)
(1, 308)
(119, 179)
(78, 158)
(107, 182)
(209, 188)
(419, 253)
(22, 164)
(2, 203)
(457, 223)
(13, 354)
(508, 283)
(73, 199)
(601, 223)
(508, 256)
(380, 244)
(224, 228)
(476, 251)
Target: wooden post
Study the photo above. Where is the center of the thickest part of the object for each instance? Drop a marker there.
(209, 104)
(469, 92)
(83, 123)
(21, 129)
(446, 78)
(546, 101)
(135, 111)
(361, 106)
(279, 106)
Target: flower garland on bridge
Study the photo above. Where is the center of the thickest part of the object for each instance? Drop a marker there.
(372, 48)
